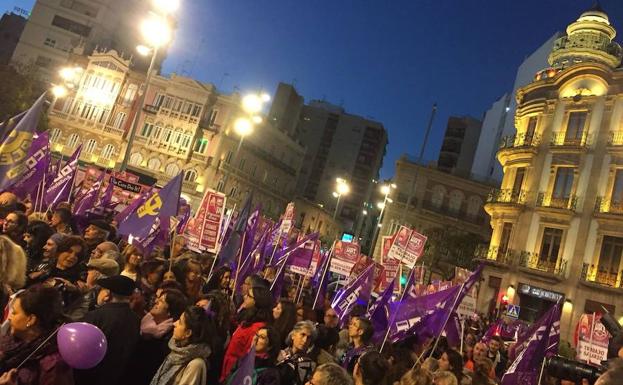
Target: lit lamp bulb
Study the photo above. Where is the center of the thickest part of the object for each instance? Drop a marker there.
(59, 91)
(252, 103)
(385, 189)
(143, 50)
(156, 31)
(243, 126)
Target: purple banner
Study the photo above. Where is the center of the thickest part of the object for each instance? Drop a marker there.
(61, 187)
(37, 165)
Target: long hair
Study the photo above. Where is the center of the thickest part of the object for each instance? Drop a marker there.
(45, 303)
(40, 233)
(273, 344)
(262, 311)
(456, 363)
(286, 320)
(215, 281)
(201, 325)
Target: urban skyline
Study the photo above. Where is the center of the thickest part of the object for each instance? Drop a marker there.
(300, 52)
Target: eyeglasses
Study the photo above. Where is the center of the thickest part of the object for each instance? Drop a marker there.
(258, 335)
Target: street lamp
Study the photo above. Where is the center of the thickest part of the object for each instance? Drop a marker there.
(342, 188)
(386, 189)
(157, 33)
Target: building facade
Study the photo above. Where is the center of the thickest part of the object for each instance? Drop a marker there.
(58, 28)
(185, 126)
(436, 200)
(557, 219)
(11, 27)
(459, 145)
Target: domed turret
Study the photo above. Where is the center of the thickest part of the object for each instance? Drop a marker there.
(589, 39)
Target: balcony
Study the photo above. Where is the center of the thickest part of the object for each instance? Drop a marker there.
(518, 147)
(151, 109)
(459, 214)
(561, 143)
(547, 200)
(205, 124)
(496, 255)
(533, 263)
(510, 196)
(607, 206)
(593, 276)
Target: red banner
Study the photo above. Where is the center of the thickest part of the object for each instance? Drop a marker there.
(203, 229)
(345, 255)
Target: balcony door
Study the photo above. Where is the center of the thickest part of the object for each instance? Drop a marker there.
(609, 259)
(563, 185)
(520, 174)
(505, 238)
(550, 246)
(530, 130)
(575, 127)
(616, 198)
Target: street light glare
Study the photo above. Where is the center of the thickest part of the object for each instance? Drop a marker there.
(166, 6)
(67, 73)
(343, 188)
(380, 205)
(156, 31)
(59, 91)
(265, 97)
(252, 103)
(243, 126)
(257, 119)
(385, 189)
(143, 50)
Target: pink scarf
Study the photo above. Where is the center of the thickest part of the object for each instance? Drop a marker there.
(150, 328)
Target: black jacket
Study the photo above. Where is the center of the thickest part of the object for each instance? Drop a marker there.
(121, 326)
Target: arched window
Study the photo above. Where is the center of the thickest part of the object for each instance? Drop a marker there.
(455, 201)
(190, 175)
(172, 169)
(474, 203)
(439, 193)
(55, 135)
(73, 140)
(108, 151)
(136, 159)
(154, 164)
(90, 146)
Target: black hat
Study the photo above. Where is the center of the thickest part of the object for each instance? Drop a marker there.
(101, 224)
(118, 284)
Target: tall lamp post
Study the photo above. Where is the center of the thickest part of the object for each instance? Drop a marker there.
(385, 190)
(157, 32)
(342, 188)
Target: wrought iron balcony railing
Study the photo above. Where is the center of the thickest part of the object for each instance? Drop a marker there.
(549, 200)
(610, 206)
(615, 138)
(561, 139)
(496, 254)
(507, 196)
(534, 262)
(520, 140)
(601, 276)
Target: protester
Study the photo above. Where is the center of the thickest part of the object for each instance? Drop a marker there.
(70, 251)
(104, 247)
(360, 331)
(61, 221)
(295, 365)
(417, 377)
(35, 237)
(496, 355)
(284, 314)
(36, 313)
(133, 260)
(190, 347)
(324, 345)
(14, 227)
(443, 377)
(95, 233)
(452, 361)
(120, 325)
(266, 343)
(219, 281)
(330, 374)
(370, 369)
(255, 312)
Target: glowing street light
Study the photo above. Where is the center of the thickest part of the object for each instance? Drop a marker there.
(143, 50)
(166, 6)
(342, 188)
(156, 31)
(59, 91)
(386, 189)
(243, 127)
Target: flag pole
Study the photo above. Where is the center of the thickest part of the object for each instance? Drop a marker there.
(220, 241)
(456, 299)
(244, 235)
(462, 333)
(275, 248)
(299, 286)
(324, 273)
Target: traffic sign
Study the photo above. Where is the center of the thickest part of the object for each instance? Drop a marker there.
(512, 311)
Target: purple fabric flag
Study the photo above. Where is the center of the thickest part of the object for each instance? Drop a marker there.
(379, 313)
(8, 125)
(410, 286)
(320, 282)
(259, 260)
(274, 243)
(88, 200)
(277, 285)
(453, 330)
(183, 216)
(15, 145)
(161, 205)
(126, 212)
(542, 342)
(245, 373)
(37, 165)
(61, 187)
(231, 246)
(358, 291)
(250, 230)
(106, 198)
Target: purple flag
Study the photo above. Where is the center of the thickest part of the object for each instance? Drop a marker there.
(277, 285)
(379, 313)
(320, 281)
(245, 372)
(183, 215)
(453, 330)
(302, 255)
(61, 187)
(88, 200)
(126, 212)
(37, 165)
(250, 230)
(259, 260)
(358, 291)
(15, 145)
(8, 125)
(157, 208)
(542, 342)
(232, 243)
(106, 198)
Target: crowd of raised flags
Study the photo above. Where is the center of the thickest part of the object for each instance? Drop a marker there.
(250, 244)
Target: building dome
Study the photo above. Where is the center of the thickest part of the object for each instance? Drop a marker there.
(589, 39)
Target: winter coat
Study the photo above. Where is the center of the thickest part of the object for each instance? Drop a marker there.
(121, 326)
(13, 270)
(45, 367)
(239, 346)
(185, 365)
(295, 368)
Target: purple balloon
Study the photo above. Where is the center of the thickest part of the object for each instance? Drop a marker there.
(81, 345)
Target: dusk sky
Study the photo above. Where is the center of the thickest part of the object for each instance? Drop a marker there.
(388, 60)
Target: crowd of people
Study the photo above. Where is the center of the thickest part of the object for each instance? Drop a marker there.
(168, 321)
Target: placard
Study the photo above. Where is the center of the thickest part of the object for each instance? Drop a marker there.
(345, 255)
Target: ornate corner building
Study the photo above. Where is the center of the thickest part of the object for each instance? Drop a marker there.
(558, 217)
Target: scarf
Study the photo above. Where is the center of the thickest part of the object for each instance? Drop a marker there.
(149, 327)
(177, 360)
(14, 351)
